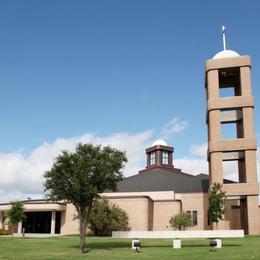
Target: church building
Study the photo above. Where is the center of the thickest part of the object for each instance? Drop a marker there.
(150, 198)
(158, 192)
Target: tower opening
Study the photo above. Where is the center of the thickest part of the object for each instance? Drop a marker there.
(229, 82)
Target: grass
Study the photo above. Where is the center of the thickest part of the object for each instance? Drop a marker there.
(67, 247)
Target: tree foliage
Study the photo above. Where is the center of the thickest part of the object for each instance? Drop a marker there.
(3, 219)
(79, 177)
(105, 218)
(16, 213)
(181, 221)
(216, 203)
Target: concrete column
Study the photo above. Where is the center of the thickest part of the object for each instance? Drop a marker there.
(252, 215)
(216, 168)
(53, 222)
(250, 167)
(213, 84)
(19, 230)
(245, 81)
(214, 125)
(248, 122)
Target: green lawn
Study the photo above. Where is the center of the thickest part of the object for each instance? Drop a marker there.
(108, 248)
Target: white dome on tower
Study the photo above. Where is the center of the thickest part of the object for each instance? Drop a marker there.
(160, 142)
(225, 54)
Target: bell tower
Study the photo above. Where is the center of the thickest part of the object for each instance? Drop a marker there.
(227, 70)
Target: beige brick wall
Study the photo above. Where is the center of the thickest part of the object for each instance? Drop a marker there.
(196, 202)
(138, 210)
(145, 214)
(232, 215)
(163, 211)
(69, 225)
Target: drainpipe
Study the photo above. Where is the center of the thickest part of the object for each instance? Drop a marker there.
(180, 204)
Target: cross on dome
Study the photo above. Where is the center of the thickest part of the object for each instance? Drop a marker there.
(225, 53)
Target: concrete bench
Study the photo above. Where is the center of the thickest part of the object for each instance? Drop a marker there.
(178, 235)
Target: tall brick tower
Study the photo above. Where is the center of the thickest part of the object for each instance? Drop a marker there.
(228, 70)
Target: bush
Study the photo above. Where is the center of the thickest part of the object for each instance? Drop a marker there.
(105, 218)
(181, 221)
(5, 232)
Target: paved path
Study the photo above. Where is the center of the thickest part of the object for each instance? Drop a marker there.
(33, 235)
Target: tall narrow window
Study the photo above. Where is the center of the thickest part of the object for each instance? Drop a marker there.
(195, 218)
(152, 158)
(165, 158)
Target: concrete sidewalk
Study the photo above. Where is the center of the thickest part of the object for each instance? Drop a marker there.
(33, 235)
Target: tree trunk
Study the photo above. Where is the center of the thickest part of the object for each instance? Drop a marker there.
(82, 232)
(83, 215)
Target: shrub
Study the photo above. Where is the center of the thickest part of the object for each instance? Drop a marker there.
(105, 218)
(3, 219)
(5, 232)
(181, 221)
(16, 213)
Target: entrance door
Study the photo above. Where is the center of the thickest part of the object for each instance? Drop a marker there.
(37, 222)
(58, 220)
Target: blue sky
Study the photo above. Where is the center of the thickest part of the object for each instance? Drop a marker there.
(105, 67)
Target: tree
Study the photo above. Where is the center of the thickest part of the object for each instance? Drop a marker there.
(181, 221)
(16, 213)
(3, 219)
(105, 218)
(79, 177)
(216, 203)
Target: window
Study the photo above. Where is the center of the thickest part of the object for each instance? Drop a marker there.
(194, 217)
(152, 158)
(165, 158)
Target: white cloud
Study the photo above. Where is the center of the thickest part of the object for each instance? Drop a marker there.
(22, 176)
(192, 165)
(175, 126)
(196, 162)
(199, 150)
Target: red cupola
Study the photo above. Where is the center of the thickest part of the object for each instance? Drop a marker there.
(159, 155)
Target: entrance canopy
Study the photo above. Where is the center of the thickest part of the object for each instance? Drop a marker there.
(37, 205)
(42, 216)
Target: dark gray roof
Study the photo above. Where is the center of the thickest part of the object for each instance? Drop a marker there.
(164, 180)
